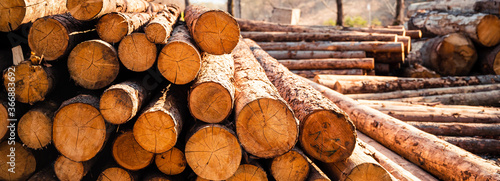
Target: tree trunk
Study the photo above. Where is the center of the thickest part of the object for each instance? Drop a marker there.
(159, 29)
(35, 127)
(213, 152)
(53, 37)
(17, 12)
(368, 46)
(400, 10)
(489, 60)
(487, 7)
(323, 127)
(129, 154)
(333, 63)
(337, 36)
(136, 52)
(414, 34)
(67, 169)
(265, 124)
(423, 149)
(459, 129)
(340, 13)
(211, 97)
(116, 173)
(214, 31)
(426, 107)
(188, 64)
(487, 98)
(283, 54)
(32, 82)
(21, 161)
(313, 73)
(249, 172)
(482, 28)
(172, 162)
(113, 27)
(291, 166)
(475, 145)
(89, 10)
(97, 71)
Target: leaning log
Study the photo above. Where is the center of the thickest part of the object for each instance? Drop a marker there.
(137, 53)
(113, 27)
(85, 10)
(35, 127)
(18, 12)
(487, 98)
(459, 129)
(18, 164)
(333, 63)
(282, 54)
(475, 145)
(159, 29)
(335, 36)
(313, 73)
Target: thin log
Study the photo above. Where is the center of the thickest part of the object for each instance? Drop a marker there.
(35, 127)
(159, 29)
(172, 162)
(475, 145)
(332, 63)
(18, 163)
(334, 36)
(313, 73)
(136, 52)
(414, 34)
(487, 98)
(459, 129)
(432, 107)
(85, 10)
(316, 54)
(18, 12)
(292, 165)
(406, 40)
(369, 46)
(32, 82)
(129, 154)
(113, 27)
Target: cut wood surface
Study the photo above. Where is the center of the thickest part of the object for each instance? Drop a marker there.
(459, 129)
(292, 166)
(35, 127)
(214, 31)
(159, 29)
(490, 60)
(17, 12)
(487, 6)
(171, 162)
(486, 98)
(211, 97)
(66, 169)
(121, 102)
(326, 133)
(475, 145)
(176, 67)
(423, 149)
(213, 152)
(136, 52)
(313, 73)
(85, 10)
(283, 54)
(21, 158)
(336, 36)
(32, 82)
(129, 154)
(96, 71)
(369, 46)
(249, 172)
(406, 40)
(115, 173)
(113, 27)
(265, 125)
(414, 34)
(331, 63)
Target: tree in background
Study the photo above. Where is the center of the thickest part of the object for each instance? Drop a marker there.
(399, 18)
(340, 13)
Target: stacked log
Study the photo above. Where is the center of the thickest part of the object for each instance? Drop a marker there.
(32, 82)
(88, 10)
(159, 29)
(113, 27)
(24, 11)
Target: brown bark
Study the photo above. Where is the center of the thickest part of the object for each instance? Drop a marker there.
(214, 31)
(487, 6)
(188, 63)
(282, 54)
(323, 127)
(475, 145)
(387, 57)
(17, 12)
(489, 60)
(392, 31)
(116, 173)
(459, 129)
(159, 29)
(340, 13)
(414, 34)
(85, 10)
(249, 172)
(421, 148)
(21, 158)
(406, 40)
(265, 124)
(368, 46)
(66, 169)
(400, 10)
(445, 116)
(35, 127)
(418, 71)
(487, 98)
(113, 27)
(97, 71)
(172, 162)
(313, 73)
(292, 166)
(32, 82)
(136, 52)
(129, 154)
(211, 97)
(312, 36)
(333, 63)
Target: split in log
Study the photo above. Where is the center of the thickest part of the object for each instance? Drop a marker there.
(487, 98)
(487, 7)
(35, 127)
(113, 27)
(160, 27)
(85, 10)
(332, 63)
(32, 82)
(172, 162)
(326, 133)
(96, 71)
(211, 97)
(249, 172)
(283, 54)
(336, 36)
(387, 57)
(129, 154)
(67, 169)
(214, 31)
(414, 34)
(475, 145)
(459, 129)
(291, 166)
(18, 12)
(179, 60)
(115, 173)
(369, 46)
(136, 52)
(313, 73)
(16, 162)
(490, 60)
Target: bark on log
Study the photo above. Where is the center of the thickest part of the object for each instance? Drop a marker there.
(32, 82)
(35, 127)
(316, 54)
(400, 32)
(249, 172)
(85, 10)
(333, 63)
(115, 173)
(214, 31)
(482, 28)
(387, 57)
(369, 46)
(455, 6)
(188, 63)
(447, 115)
(265, 124)
(423, 149)
(136, 52)
(487, 98)
(97, 71)
(211, 97)
(53, 37)
(159, 29)
(459, 129)
(17, 12)
(414, 34)
(291, 166)
(66, 169)
(113, 27)
(21, 158)
(406, 40)
(418, 71)
(475, 145)
(333, 36)
(172, 162)
(426, 107)
(489, 60)
(315, 173)
(323, 127)
(487, 6)
(313, 73)
(129, 154)
(213, 152)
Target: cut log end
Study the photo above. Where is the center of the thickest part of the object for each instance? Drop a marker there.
(248, 172)
(210, 102)
(290, 166)
(155, 131)
(172, 162)
(156, 33)
(129, 154)
(25, 162)
(216, 32)
(67, 169)
(32, 82)
(369, 171)
(113, 27)
(266, 128)
(179, 62)
(457, 54)
(13, 13)
(48, 38)
(116, 106)
(90, 11)
(136, 52)
(488, 31)
(328, 136)
(35, 129)
(115, 173)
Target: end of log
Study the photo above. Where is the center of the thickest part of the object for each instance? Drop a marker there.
(115, 173)
(35, 127)
(32, 82)
(136, 52)
(172, 162)
(249, 172)
(48, 38)
(488, 31)
(129, 154)
(67, 169)
(292, 165)
(85, 10)
(24, 163)
(113, 27)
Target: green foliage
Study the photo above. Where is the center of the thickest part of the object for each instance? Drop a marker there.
(356, 21)
(376, 22)
(330, 22)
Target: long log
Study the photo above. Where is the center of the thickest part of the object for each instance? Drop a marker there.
(35, 127)
(136, 52)
(396, 47)
(292, 165)
(282, 54)
(414, 34)
(323, 127)
(487, 98)
(423, 149)
(487, 7)
(113, 27)
(475, 145)
(85, 10)
(432, 106)
(66, 169)
(171, 162)
(32, 82)
(332, 63)
(159, 29)
(17, 12)
(214, 31)
(265, 124)
(459, 129)
(482, 28)
(17, 162)
(455, 6)
(129, 154)
(313, 73)
(336, 36)
(489, 60)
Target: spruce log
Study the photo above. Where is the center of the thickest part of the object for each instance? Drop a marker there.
(323, 126)
(96, 71)
(414, 34)
(489, 60)
(16, 162)
(79, 130)
(487, 98)
(265, 124)
(159, 125)
(283, 54)
(211, 97)
(213, 152)
(113, 27)
(487, 6)
(85, 10)
(187, 63)
(475, 145)
(136, 52)
(121, 102)
(129, 154)
(336, 36)
(53, 37)
(399, 32)
(369, 46)
(18, 12)
(332, 63)
(115, 173)
(249, 172)
(387, 57)
(313, 73)
(172, 162)
(455, 6)
(214, 31)
(459, 129)
(292, 165)
(32, 82)
(159, 29)
(66, 169)
(482, 28)
(35, 127)
(423, 149)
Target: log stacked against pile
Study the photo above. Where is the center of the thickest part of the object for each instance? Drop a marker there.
(312, 50)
